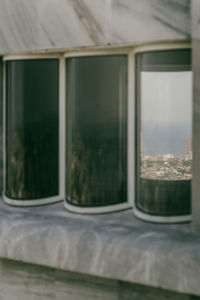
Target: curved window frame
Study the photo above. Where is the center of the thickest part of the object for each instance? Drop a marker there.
(138, 213)
(59, 197)
(128, 51)
(131, 52)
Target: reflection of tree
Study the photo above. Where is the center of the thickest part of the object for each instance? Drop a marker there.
(32, 163)
(15, 159)
(97, 175)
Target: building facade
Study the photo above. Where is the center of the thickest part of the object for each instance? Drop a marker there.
(48, 252)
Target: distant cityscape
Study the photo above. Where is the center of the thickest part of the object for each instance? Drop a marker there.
(168, 166)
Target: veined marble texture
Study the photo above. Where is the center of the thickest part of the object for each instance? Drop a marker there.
(22, 281)
(196, 113)
(113, 246)
(48, 24)
(195, 13)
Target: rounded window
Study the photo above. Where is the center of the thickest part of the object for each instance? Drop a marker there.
(164, 135)
(96, 133)
(31, 132)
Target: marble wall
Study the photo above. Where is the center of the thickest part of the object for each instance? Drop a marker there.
(113, 246)
(196, 113)
(50, 24)
(1, 126)
(20, 281)
(40, 24)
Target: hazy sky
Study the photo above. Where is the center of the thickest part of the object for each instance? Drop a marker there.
(166, 111)
(166, 98)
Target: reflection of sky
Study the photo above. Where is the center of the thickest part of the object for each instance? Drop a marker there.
(166, 111)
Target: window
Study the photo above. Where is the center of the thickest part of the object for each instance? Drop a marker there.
(78, 129)
(96, 141)
(32, 162)
(164, 135)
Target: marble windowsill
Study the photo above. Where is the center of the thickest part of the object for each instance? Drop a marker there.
(113, 245)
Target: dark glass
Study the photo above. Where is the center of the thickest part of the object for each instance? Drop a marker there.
(31, 129)
(96, 130)
(164, 132)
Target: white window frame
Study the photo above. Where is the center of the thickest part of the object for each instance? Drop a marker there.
(61, 136)
(130, 130)
(131, 52)
(137, 212)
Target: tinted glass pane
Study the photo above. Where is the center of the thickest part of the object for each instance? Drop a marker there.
(96, 130)
(164, 132)
(31, 129)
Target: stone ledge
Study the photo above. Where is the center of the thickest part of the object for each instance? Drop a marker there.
(114, 246)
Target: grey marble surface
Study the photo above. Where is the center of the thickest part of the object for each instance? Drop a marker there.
(195, 17)
(22, 281)
(115, 246)
(1, 126)
(196, 113)
(40, 24)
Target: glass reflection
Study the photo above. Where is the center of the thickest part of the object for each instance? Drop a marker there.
(165, 135)
(96, 130)
(31, 129)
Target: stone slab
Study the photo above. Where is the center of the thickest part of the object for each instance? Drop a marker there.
(22, 281)
(45, 24)
(114, 246)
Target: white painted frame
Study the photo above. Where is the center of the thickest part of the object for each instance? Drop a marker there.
(61, 128)
(128, 51)
(131, 52)
(137, 212)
